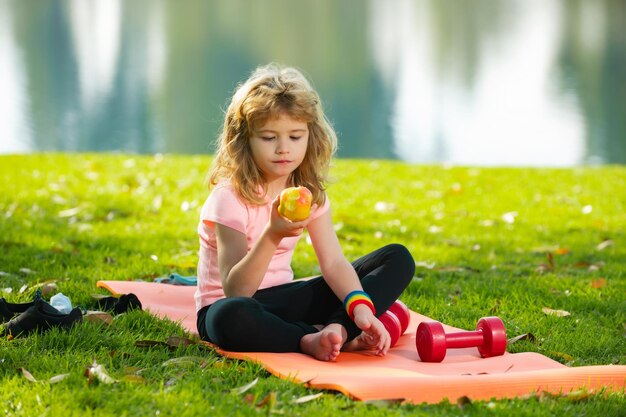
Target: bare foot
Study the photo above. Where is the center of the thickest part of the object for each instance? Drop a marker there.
(361, 342)
(324, 345)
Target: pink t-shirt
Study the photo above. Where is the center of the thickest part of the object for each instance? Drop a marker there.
(223, 206)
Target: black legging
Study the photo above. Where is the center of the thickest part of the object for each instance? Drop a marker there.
(275, 319)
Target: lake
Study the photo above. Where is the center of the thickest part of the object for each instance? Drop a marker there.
(474, 82)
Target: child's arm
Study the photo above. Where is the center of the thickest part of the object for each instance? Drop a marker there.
(342, 278)
(242, 272)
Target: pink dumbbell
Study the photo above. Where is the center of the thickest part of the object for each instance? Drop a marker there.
(432, 341)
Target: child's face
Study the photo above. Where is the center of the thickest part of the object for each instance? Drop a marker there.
(278, 146)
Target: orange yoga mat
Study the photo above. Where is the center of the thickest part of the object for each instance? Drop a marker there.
(400, 374)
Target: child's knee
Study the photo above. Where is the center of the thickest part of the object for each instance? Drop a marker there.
(230, 319)
(402, 259)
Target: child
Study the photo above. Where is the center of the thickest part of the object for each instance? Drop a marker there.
(275, 136)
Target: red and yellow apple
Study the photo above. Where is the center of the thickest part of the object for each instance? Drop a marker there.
(295, 203)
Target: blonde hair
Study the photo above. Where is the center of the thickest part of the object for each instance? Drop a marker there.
(269, 92)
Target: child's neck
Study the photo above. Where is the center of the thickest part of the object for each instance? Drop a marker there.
(274, 188)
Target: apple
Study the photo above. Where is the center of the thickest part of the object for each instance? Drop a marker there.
(295, 203)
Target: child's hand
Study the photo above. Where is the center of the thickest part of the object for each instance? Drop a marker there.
(282, 227)
(375, 335)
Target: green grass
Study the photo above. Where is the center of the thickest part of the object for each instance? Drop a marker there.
(136, 217)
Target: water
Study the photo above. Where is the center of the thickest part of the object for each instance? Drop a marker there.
(477, 82)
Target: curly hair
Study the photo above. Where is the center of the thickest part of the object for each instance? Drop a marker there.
(271, 91)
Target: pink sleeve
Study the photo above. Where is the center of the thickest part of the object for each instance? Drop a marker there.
(224, 207)
(321, 210)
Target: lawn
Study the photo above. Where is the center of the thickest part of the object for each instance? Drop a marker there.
(510, 242)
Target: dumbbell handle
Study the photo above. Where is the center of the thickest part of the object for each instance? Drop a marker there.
(464, 339)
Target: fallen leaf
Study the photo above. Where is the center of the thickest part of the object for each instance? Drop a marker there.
(96, 372)
(246, 387)
(604, 244)
(149, 343)
(557, 313)
(249, 399)
(98, 317)
(58, 378)
(177, 341)
(307, 398)
(385, 403)
(269, 400)
(526, 336)
(598, 283)
(27, 374)
(49, 289)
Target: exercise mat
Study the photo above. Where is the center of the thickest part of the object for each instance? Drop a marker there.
(400, 374)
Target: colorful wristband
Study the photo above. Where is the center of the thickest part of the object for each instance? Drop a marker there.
(354, 299)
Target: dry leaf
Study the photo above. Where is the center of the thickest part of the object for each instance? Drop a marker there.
(246, 387)
(269, 400)
(27, 374)
(604, 244)
(598, 283)
(249, 399)
(98, 317)
(526, 336)
(307, 398)
(177, 341)
(149, 343)
(58, 378)
(385, 403)
(49, 289)
(98, 372)
(557, 313)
